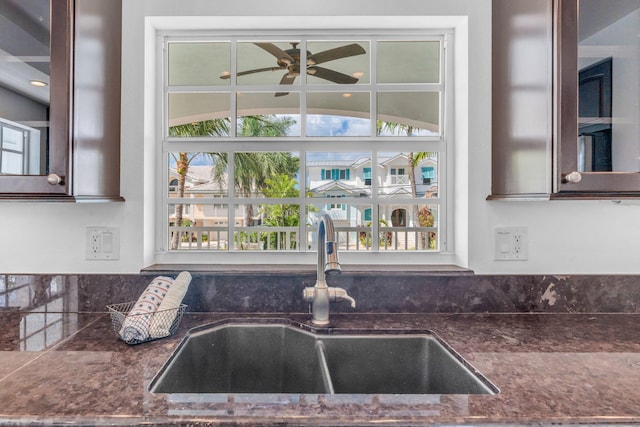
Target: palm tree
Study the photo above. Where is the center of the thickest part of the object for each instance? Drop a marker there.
(413, 160)
(251, 170)
(214, 127)
(280, 215)
(269, 125)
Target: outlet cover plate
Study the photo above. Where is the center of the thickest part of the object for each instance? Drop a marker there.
(102, 243)
(511, 244)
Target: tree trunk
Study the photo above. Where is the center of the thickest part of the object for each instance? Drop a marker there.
(182, 167)
(414, 194)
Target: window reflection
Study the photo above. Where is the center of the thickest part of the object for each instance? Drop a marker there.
(24, 86)
(48, 309)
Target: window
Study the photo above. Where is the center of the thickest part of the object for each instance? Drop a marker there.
(335, 174)
(254, 142)
(428, 175)
(19, 149)
(366, 175)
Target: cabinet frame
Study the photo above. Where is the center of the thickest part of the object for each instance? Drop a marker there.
(60, 117)
(565, 97)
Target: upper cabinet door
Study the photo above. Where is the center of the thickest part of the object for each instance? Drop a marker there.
(35, 96)
(598, 98)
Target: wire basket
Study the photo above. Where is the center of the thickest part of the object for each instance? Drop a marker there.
(139, 328)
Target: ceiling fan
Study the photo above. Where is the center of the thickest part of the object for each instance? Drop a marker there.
(289, 60)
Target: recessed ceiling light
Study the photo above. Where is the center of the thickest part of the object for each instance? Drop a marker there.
(346, 95)
(358, 74)
(38, 83)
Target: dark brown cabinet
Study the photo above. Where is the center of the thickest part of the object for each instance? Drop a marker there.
(564, 125)
(81, 154)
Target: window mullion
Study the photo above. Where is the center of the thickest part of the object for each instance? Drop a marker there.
(375, 210)
(303, 89)
(373, 94)
(232, 200)
(302, 206)
(162, 129)
(233, 114)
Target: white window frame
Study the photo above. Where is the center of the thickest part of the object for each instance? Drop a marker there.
(29, 152)
(443, 145)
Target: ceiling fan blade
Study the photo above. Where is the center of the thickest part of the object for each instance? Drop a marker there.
(331, 75)
(336, 53)
(274, 50)
(257, 70)
(287, 79)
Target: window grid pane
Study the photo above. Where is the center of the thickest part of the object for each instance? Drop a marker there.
(394, 213)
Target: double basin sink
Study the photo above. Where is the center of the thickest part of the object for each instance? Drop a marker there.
(279, 356)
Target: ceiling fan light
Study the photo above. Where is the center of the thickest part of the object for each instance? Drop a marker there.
(358, 74)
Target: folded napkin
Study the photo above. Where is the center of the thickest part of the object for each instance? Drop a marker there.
(168, 309)
(135, 326)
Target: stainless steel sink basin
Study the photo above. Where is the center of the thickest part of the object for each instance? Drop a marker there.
(279, 357)
(415, 364)
(243, 358)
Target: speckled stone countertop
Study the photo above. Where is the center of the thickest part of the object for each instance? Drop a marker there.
(550, 368)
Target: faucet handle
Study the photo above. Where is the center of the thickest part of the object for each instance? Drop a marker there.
(339, 294)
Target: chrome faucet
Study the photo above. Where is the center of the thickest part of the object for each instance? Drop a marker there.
(321, 295)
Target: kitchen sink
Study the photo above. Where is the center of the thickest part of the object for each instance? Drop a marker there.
(243, 358)
(278, 356)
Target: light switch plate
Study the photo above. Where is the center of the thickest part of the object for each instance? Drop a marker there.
(103, 243)
(511, 244)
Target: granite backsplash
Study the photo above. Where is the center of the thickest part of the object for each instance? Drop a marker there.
(281, 292)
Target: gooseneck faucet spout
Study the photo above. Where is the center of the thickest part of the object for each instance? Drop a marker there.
(321, 295)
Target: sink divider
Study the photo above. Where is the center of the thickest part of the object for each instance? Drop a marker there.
(324, 367)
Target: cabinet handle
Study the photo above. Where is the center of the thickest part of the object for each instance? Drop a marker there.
(54, 179)
(573, 177)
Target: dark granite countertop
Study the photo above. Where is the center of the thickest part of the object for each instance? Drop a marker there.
(550, 368)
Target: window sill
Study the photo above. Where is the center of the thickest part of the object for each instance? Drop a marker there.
(279, 269)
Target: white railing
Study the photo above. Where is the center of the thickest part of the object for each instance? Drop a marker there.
(245, 238)
(288, 238)
(399, 180)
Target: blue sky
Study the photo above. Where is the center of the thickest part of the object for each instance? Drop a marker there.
(320, 125)
(325, 125)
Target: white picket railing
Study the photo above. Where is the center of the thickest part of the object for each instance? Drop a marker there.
(288, 238)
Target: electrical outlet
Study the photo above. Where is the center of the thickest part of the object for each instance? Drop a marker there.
(511, 244)
(103, 243)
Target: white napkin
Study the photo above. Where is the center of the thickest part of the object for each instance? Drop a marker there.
(136, 324)
(162, 320)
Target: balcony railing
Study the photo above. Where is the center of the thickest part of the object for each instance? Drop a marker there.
(265, 238)
(399, 180)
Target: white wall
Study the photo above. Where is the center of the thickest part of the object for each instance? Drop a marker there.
(565, 236)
